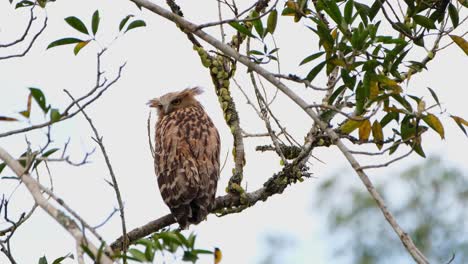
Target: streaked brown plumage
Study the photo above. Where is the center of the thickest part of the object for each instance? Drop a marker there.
(186, 160)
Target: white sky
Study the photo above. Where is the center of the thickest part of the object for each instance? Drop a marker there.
(160, 59)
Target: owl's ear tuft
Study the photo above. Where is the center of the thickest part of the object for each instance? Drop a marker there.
(196, 90)
(153, 103)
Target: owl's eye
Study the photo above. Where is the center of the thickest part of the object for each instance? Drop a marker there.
(176, 102)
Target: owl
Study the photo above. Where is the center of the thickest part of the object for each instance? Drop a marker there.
(186, 158)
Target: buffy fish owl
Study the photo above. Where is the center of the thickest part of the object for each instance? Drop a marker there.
(186, 159)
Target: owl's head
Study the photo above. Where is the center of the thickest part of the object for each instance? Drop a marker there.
(171, 102)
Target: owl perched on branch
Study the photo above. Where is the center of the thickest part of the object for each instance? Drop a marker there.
(186, 158)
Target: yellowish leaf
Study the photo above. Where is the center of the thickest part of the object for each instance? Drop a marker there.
(334, 33)
(459, 120)
(374, 89)
(377, 132)
(349, 126)
(435, 124)
(461, 42)
(364, 130)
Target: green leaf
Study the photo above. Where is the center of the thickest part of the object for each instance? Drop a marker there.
(136, 24)
(335, 94)
(434, 95)
(418, 149)
(272, 21)
(45, 155)
(54, 115)
(389, 117)
(375, 8)
(64, 41)
(311, 57)
(461, 42)
(424, 21)
(124, 21)
(241, 28)
(3, 165)
(316, 70)
(95, 22)
(190, 256)
(333, 10)
(24, 3)
(137, 254)
(348, 11)
(79, 46)
(42, 260)
(350, 125)
(257, 23)
(435, 124)
(88, 252)
(59, 260)
(39, 98)
(77, 24)
(202, 251)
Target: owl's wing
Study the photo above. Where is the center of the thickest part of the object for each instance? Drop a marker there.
(204, 145)
(175, 166)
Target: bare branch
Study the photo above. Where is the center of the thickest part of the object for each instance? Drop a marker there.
(28, 48)
(34, 188)
(26, 31)
(115, 184)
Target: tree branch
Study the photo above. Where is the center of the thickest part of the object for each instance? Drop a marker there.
(227, 50)
(66, 222)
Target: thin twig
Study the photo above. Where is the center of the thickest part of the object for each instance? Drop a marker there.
(115, 184)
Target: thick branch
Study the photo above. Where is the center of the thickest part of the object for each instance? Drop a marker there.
(66, 222)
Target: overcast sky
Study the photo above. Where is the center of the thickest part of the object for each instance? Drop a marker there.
(160, 59)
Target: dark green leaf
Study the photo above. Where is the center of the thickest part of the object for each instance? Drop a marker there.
(335, 94)
(59, 260)
(434, 95)
(349, 81)
(64, 41)
(311, 57)
(49, 152)
(363, 11)
(3, 165)
(360, 98)
(136, 24)
(189, 256)
(348, 11)
(23, 4)
(313, 73)
(241, 28)
(42, 260)
(389, 117)
(95, 22)
(333, 10)
(124, 21)
(257, 23)
(256, 52)
(272, 21)
(403, 102)
(88, 252)
(375, 8)
(453, 13)
(202, 251)
(394, 147)
(424, 21)
(418, 149)
(40, 99)
(77, 24)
